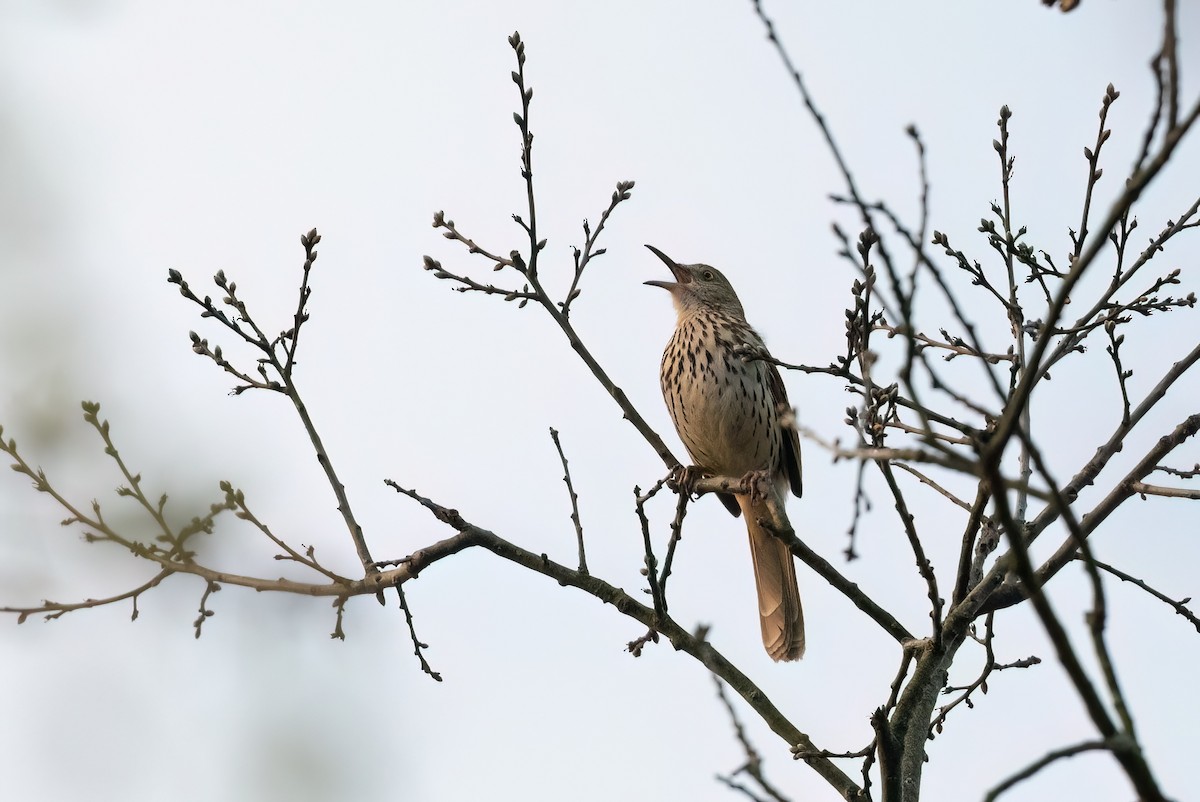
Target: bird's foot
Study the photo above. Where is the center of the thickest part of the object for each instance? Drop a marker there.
(756, 485)
(684, 479)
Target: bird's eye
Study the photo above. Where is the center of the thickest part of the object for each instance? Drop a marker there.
(707, 275)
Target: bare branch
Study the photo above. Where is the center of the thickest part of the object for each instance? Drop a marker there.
(1182, 474)
(584, 256)
(1122, 491)
(955, 345)
(574, 501)
(55, 609)
(1179, 607)
(898, 455)
(1086, 476)
(925, 480)
(1043, 762)
(1143, 490)
(980, 683)
(1006, 426)
(205, 613)
(924, 567)
(693, 645)
(1129, 754)
(650, 565)
(753, 765)
(779, 526)
(236, 500)
(279, 355)
(527, 265)
(419, 646)
(681, 504)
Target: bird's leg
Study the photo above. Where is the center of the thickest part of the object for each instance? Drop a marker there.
(756, 485)
(684, 479)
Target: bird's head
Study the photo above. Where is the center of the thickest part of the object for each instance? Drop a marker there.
(698, 287)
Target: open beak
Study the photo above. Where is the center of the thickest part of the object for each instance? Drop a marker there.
(681, 277)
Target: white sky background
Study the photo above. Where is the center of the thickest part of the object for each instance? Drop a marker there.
(137, 137)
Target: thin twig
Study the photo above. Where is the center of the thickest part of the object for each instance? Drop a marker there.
(980, 682)
(588, 252)
(418, 647)
(583, 569)
(271, 357)
(753, 765)
(55, 610)
(1041, 763)
(925, 480)
(1006, 425)
(681, 505)
(650, 562)
(527, 266)
(1179, 606)
(236, 500)
(924, 566)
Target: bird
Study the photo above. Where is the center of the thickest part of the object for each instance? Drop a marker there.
(729, 412)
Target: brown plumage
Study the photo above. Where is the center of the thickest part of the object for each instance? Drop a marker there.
(727, 411)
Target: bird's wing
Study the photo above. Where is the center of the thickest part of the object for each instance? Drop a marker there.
(791, 438)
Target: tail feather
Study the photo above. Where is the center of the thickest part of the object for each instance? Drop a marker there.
(780, 614)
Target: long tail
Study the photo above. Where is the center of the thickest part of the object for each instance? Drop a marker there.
(779, 610)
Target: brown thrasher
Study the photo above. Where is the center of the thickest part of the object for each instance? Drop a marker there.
(728, 410)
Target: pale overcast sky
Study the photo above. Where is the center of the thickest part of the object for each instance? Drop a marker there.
(141, 136)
